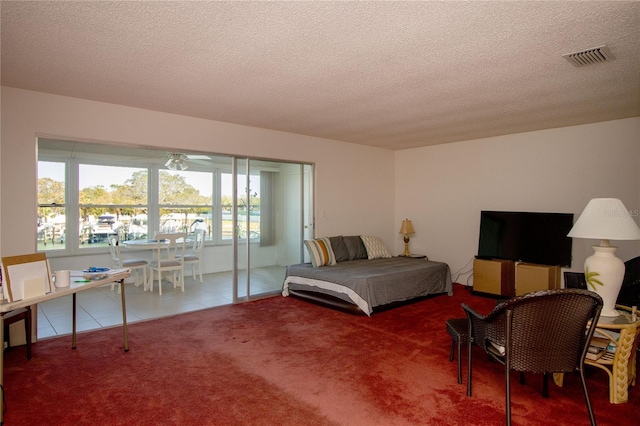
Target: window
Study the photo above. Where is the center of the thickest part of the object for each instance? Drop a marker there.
(186, 201)
(135, 193)
(248, 199)
(51, 205)
(112, 200)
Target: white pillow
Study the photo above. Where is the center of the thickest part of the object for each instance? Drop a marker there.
(375, 247)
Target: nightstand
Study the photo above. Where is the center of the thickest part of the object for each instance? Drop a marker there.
(414, 256)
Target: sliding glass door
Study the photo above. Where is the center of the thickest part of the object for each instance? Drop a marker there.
(256, 212)
(273, 215)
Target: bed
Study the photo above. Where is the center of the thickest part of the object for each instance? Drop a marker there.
(362, 285)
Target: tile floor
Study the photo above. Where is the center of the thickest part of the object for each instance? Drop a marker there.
(102, 307)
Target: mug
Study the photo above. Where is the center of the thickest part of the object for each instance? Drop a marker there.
(62, 278)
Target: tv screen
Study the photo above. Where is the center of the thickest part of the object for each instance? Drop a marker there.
(526, 237)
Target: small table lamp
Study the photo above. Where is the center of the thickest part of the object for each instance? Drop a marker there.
(406, 229)
(605, 219)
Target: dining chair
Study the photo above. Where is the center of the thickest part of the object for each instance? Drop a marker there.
(194, 255)
(168, 256)
(14, 316)
(544, 332)
(118, 262)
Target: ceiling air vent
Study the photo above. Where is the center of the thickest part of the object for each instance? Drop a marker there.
(589, 56)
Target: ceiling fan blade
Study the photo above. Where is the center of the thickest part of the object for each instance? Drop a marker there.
(204, 162)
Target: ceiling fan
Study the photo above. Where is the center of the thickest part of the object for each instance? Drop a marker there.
(179, 161)
(176, 161)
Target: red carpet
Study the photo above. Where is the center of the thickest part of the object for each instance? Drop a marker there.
(281, 361)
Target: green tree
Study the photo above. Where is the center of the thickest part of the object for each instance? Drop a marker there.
(226, 201)
(174, 190)
(132, 192)
(94, 195)
(50, 191)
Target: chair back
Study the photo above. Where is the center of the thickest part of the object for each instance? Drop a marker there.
(169, 248)
(545, 331)
(198, 242)
(114, 249)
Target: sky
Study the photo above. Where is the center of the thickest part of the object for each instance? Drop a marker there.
(118, 175)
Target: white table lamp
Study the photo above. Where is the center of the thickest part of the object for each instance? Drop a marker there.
(605, 219)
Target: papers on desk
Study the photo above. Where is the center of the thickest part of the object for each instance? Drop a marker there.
(96, 276)
(26, 276)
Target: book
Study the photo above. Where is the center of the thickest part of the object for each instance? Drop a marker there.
(605, 339)
(594, 353)
(600, 342)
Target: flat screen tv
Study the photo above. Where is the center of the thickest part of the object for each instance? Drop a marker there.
(526, 237)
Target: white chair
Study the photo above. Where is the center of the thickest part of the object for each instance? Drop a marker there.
(168, 255)
(194, 255)
(118, 262)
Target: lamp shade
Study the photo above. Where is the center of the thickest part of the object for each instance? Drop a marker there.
(407, 227)
(605, 219)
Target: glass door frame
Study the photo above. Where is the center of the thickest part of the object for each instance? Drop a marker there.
(242, 257)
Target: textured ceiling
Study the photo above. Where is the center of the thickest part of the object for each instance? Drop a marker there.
(389, 74)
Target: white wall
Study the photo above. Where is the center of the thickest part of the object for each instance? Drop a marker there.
(359, 190)
(354, 191)
(443, 188)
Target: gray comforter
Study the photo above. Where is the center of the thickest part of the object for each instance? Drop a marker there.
(371, 283)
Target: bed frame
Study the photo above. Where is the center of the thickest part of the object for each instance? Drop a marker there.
(364, 286)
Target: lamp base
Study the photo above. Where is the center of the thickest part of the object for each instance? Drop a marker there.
(406, 247)
(604, 273)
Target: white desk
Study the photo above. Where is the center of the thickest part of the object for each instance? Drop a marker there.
(114, 275)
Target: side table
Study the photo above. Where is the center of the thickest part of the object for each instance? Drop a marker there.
(621, 364)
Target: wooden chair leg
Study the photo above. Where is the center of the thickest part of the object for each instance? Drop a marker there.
(27, 326)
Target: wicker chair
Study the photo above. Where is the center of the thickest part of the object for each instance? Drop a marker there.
(541, 332)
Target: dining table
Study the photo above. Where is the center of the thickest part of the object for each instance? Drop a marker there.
(148, 244)
(140, 243)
